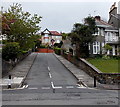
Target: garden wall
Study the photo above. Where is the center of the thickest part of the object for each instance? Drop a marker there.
(9, 65)
(105, 78)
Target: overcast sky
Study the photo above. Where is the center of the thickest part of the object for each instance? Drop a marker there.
(61, 16)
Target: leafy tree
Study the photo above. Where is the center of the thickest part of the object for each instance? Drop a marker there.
(64, 36)
(81, 35)
(22, 25)
(10, 51)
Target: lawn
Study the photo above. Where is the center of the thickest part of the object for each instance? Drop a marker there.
(105, 65)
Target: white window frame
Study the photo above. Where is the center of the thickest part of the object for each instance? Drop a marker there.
(96, 47)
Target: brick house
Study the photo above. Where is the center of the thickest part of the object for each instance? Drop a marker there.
(51, 37)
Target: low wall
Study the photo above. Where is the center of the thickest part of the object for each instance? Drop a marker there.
(8, 66)
(45, 50)
(105, 78)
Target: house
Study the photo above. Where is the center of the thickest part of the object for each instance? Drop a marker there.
(51, 37)
(114, 15)
(106, 34)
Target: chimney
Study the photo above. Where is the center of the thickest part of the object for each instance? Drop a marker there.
(97, 18)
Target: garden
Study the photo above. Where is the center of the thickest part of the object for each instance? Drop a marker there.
(105, 65)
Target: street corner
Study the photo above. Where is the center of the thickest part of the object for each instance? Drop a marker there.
(14, 83)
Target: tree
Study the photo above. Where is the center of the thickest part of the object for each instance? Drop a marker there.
(64, 36)
(107, 48)
(10, 51)
(81, 35)
(22, 25)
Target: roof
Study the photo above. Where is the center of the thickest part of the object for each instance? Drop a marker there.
(103, 24)
(54, 33)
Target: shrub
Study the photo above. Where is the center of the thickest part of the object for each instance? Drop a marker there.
(10, 51)
(43, 46)
(57, 51)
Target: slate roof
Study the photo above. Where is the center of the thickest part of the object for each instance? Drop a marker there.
(103, 24)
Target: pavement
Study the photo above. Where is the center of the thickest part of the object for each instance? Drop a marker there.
(83, 76)
(18, 73)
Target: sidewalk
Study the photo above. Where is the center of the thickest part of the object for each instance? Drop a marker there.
(82, 76)
(19, 72)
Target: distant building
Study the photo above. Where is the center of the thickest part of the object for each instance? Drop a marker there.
(51, 37)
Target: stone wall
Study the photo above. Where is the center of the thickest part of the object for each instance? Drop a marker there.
(105, 78)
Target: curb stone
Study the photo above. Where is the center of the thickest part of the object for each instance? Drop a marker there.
(27, 72)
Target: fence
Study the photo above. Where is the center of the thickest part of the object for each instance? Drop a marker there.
(105, 78)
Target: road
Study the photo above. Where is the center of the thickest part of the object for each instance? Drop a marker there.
(50, 83)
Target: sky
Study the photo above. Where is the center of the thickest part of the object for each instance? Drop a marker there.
(61, 16)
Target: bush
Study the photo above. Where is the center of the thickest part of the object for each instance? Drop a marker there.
(43, 46)
(57, 51)
(10, 51)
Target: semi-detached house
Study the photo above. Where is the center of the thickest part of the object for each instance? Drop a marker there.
(51, 37)
(106, 34)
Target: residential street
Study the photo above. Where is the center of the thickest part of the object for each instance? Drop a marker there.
(50, 83)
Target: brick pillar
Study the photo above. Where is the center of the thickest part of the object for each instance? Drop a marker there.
(69, 56)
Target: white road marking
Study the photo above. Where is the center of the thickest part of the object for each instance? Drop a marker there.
(85, 85)
(48, 68)
(50, 75)
(54, 86)
(32, 88)
(80, 86)
(58, 87)
(45, 87)
(69, 86)
(23, 86)
(26, 86)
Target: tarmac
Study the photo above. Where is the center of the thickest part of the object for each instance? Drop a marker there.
(21, 70)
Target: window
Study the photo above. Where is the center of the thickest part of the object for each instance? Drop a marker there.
(46, 35)
(96, 48)
(102, 32)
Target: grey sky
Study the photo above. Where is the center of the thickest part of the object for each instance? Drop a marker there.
(61, 16)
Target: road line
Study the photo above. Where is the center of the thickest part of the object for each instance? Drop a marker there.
(23, 86)
(52, 84)
(58, 87)
(45, 87)
(48, 68)
(69, 86)
(50, 75)
(32, 88)
(26, 86)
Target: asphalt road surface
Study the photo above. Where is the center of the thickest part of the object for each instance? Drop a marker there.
(50, 83)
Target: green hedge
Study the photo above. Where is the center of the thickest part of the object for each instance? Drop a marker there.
(57, 51)
(10, 51)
